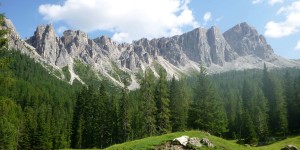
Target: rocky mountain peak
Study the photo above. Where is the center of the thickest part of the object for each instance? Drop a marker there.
(244, 29)
(45, 42)
(105, 40)
(220, 50)
(15, 42)
(245, 40)
(198, 32)
(214, 28)
(70, 36)
(43, 32)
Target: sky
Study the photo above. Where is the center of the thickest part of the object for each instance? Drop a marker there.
(128, 20)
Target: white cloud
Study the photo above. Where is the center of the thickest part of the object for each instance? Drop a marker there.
(272, 2)
(127, 19)
(290, 25)
(207, 17)
(256, 1)
(297, 46)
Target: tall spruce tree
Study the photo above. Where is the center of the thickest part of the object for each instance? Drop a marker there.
(274, 93)
(178, 105)
(10, 121)
(260, 115)
(248, 132)
(290, 90)
(231, 101)
(294, 109)
(105, 121)
(248, 128)
(255, 104)
(89, 126)
(162, 103)
(207, 112)
(78, 119)
(125, 124)
(148, 108)
(42, 136)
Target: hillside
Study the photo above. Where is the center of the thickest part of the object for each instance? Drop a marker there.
(152, 142)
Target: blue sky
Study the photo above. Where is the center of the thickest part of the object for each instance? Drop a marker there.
(127, 20)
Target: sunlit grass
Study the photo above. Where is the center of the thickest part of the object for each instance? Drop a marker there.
(152, 142)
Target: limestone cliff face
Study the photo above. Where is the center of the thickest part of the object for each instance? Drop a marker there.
(200, 46)
(245, 40)
(241, 47)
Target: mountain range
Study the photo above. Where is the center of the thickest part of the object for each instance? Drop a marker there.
(240, 47)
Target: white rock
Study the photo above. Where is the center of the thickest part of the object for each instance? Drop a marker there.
(183, 140)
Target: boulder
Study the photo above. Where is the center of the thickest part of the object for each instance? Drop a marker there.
(195, 142)
(206, 142)
(289, 147)
(183, 140)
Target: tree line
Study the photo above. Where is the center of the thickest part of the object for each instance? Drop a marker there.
(253, 106)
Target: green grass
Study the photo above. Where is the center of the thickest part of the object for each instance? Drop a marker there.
(152, 142)
(120, 75)
(66, 72)
(157, 66)
(86, 73)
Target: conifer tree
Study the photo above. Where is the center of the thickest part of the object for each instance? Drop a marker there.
(10, 117)
(291, 88)
(295, 111)
(104, 120)
(178, 105)
(125, 124)
(248, 132)
(78, 120)
(207, 112)
(274, 93)
(255, 104)
(148, 108)
(28, 129)
(260, 115)
(115, 121)
(162, 103)
(231, 101)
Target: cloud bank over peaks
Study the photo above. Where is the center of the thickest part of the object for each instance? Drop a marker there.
(127, 19)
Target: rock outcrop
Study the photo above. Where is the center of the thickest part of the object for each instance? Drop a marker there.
(195, 142)
(184, 142)
(289, 147)
(206, 142)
